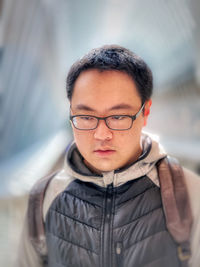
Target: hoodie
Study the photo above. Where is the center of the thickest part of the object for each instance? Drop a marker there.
(74, 168)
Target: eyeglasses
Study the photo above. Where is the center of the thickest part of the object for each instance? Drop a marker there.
(113, 122)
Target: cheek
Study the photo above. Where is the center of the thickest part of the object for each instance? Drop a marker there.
(81, 138)
(130, 135)
(127, 140)
(137, 127)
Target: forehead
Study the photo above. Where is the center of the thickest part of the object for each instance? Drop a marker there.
(101, 90)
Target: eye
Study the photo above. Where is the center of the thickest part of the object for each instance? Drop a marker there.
(118, 117)
(86, 118)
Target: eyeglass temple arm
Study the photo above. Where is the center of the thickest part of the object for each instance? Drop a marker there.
(140, 111)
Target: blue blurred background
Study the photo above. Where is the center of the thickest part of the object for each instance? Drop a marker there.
(40, 39)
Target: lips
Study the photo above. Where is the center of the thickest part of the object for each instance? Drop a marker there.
(104, 152)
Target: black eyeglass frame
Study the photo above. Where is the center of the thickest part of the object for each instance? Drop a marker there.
(133, 117)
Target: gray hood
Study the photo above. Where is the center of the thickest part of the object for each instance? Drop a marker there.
(145, 165)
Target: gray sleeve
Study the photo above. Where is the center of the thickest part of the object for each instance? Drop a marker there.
(27, 256)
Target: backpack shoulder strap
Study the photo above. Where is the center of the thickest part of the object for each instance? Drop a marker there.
(36, 229)
(176, 205)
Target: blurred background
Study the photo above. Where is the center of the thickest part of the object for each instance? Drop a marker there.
(40, 39)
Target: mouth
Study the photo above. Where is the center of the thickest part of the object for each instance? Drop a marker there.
(104, 152)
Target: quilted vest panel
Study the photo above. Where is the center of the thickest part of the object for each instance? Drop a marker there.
(88, 225)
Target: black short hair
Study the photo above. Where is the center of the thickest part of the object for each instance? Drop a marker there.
(114, 57)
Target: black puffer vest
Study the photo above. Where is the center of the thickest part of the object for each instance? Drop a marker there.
(92, 226)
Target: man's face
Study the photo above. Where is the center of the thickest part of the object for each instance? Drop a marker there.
(102, 94)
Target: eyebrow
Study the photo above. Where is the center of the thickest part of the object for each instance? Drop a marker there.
(116, 107)
(84, 107)
(121, 106)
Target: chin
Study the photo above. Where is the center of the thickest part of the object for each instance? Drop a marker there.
(102, 165)
(105, 168)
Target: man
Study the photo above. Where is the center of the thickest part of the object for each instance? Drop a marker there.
(104, 207)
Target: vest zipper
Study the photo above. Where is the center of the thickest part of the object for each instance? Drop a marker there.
(118, 251)
(107, 231)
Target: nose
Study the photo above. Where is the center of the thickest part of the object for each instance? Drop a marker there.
(102, 132)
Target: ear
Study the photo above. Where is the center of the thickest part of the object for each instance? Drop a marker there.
(147, 111)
